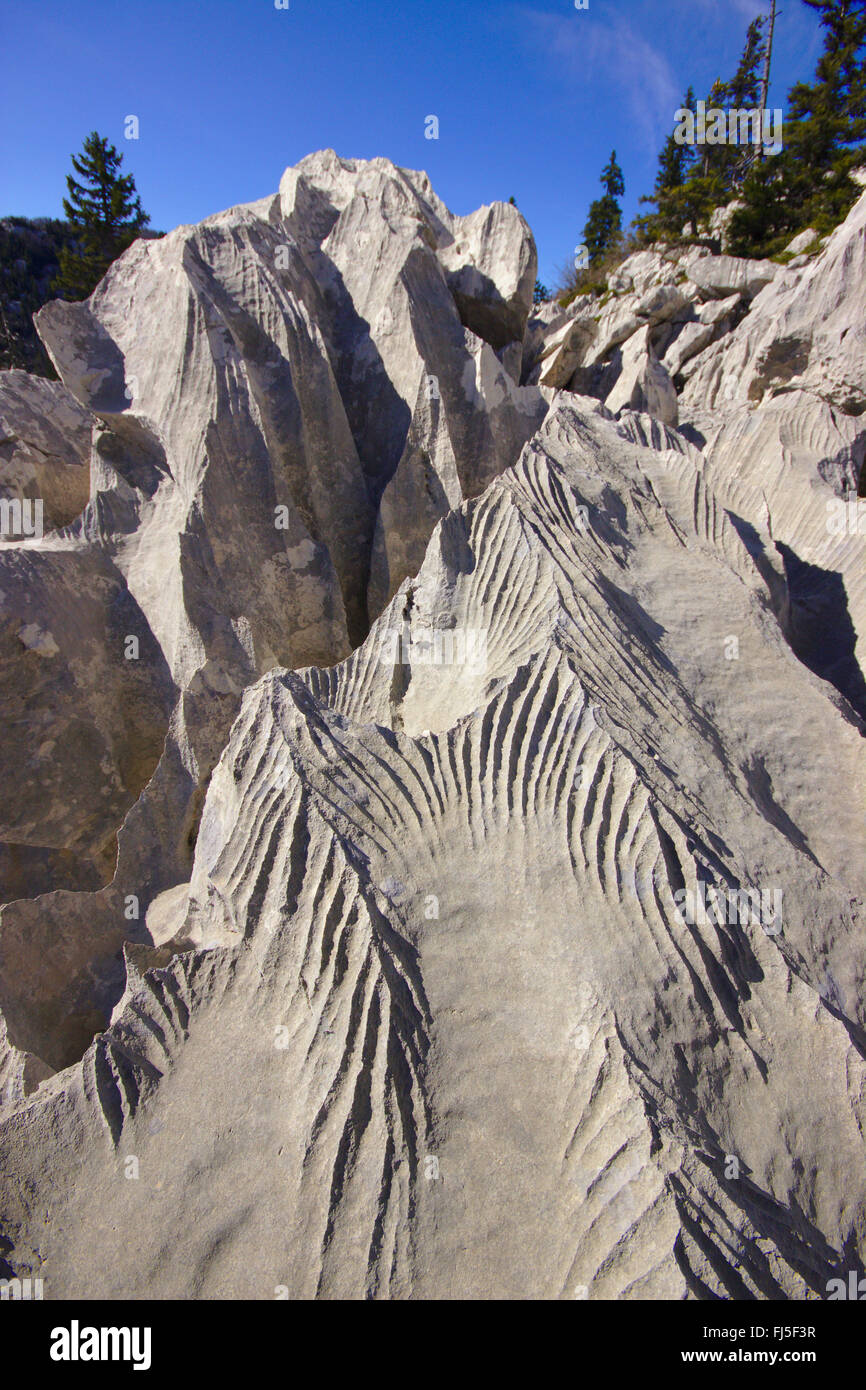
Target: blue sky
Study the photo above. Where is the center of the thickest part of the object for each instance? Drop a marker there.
(531, 97)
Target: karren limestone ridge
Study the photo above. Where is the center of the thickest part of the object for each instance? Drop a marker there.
(433, 844)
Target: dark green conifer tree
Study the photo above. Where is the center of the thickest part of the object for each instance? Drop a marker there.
(674, 165)
(105, 214)
(742, 94)
(809, 183)
(603, 228)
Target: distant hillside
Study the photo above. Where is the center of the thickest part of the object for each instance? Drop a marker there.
(29, 260)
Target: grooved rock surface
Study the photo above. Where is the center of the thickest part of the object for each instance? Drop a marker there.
(472, 887)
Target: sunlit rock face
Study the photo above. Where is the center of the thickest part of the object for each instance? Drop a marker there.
(434, 866)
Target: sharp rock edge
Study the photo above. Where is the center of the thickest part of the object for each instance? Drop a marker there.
(328, 969)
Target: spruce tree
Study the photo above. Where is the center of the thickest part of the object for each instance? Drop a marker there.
(809, 183)
(604, 224)
(827, 118)
(105, 214)
(742, 94)
(692, 181)
(674, 165)
(712, 157)
(612, 180)
(744, 86)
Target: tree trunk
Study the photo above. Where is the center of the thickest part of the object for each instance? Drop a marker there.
(765, 78)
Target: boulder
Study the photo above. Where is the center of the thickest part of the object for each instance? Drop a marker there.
(662, 303)
(563, 350)
(720, 276)
(643, 383)
(716, 311)
(803, 241)
(640, 271)
(720, 222)
(712, 320)
(690, 340)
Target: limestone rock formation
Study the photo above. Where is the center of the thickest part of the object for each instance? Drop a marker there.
(456, 889)
(44, 454)
(806, 328)
(720, 276)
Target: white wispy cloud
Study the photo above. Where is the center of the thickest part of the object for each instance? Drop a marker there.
(638, 74)
(744, 10)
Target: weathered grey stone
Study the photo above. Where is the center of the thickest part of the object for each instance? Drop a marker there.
(717, 310)
(250, 392)
(720, 276)
(662, 303)
(564, 350)
(720, 222)
(807, 329)
(643, 383)
(44, 450)
(691, 339)
(803, 241)
(386, 950)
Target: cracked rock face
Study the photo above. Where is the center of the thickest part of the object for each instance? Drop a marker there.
(460, 892)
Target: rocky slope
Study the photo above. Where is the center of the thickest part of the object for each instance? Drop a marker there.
(347, 947)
